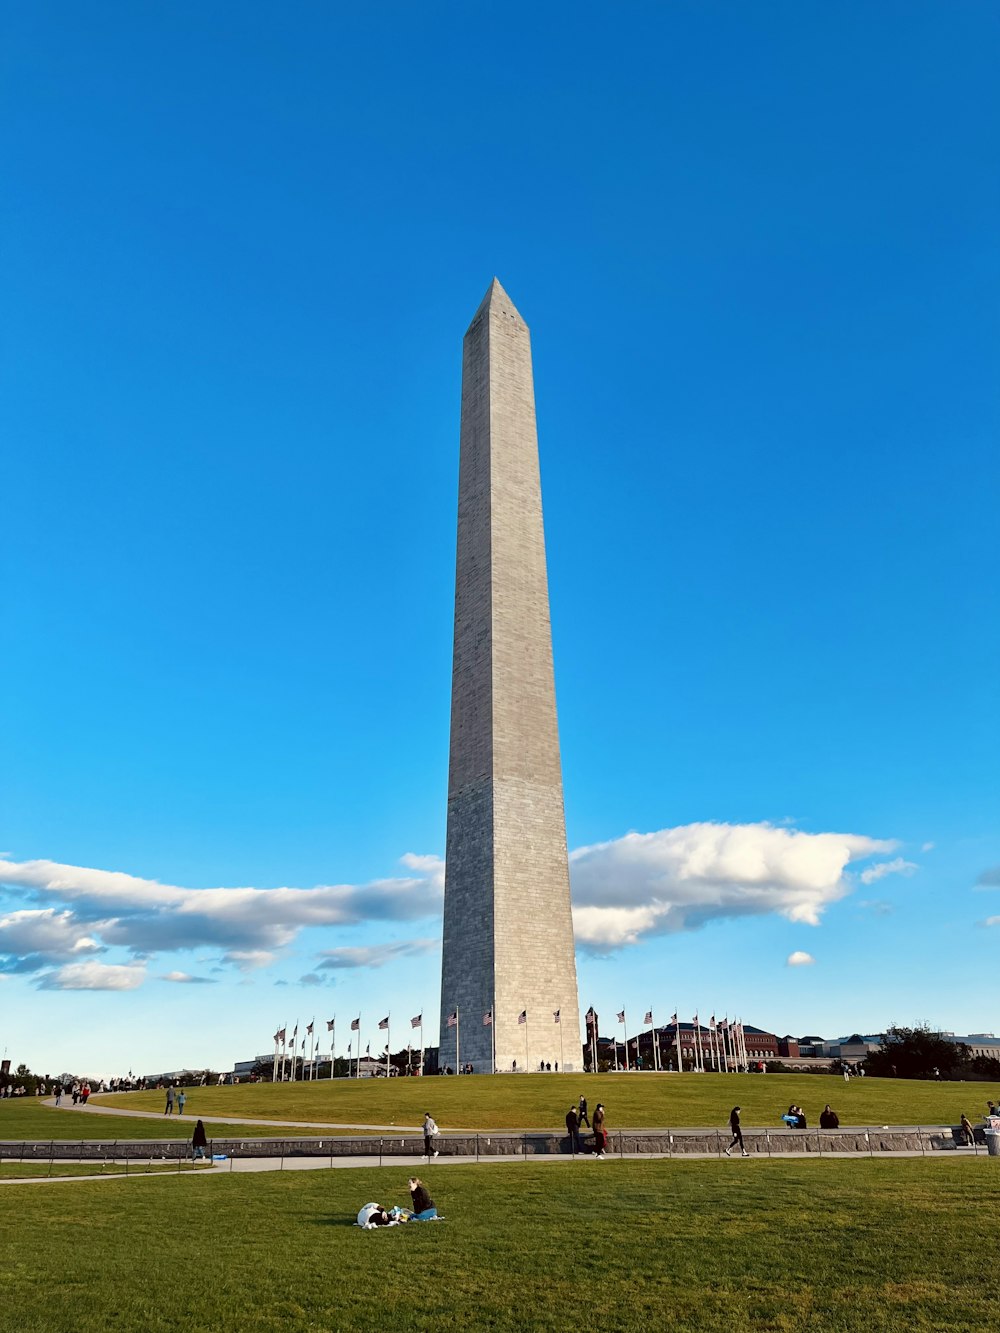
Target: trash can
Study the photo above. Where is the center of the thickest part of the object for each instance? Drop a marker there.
(993, 1142)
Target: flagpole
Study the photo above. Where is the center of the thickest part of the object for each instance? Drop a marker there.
(421, 1043)
(527, 1066)
(493, 1031)
(562, 1060)
(458, 1066)
(677, 1037)
(616, 1052)
(388, 1044)
(625, 1025)
(333, 1045)
(274, 1062)
(357, 1071)
(697, 1044)
(284, 1048)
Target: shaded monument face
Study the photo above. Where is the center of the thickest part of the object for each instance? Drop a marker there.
(508, 932)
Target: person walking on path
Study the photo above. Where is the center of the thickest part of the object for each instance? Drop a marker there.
(581, 1115)
(181, 1099)
(573, 1129)
(199, 1140)
(430, 1131)
(968, 1134)
(734, 1125)
(600, 1137)
(169, 1108)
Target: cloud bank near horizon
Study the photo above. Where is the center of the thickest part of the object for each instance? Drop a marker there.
(624, 890)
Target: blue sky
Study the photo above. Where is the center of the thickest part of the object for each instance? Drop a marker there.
(756, 247)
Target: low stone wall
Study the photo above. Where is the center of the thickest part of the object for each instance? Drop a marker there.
(645, 1143)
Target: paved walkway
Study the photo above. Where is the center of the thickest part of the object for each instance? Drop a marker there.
(235, 1165)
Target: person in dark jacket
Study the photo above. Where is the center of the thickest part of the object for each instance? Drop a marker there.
(573, 1129)
(581, 1115)
(828, 1119)
(734, 1125)
(199, 1140)
(600, 1137)
(423, 1204)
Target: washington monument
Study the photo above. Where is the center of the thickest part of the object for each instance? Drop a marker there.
(508, 934)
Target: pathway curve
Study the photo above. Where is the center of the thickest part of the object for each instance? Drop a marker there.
(92, 1108)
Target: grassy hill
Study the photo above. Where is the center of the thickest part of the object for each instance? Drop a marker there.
(540, 1101)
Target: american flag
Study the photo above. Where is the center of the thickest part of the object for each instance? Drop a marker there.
(356, 1024)
(417, 1022)
(309, 1029)
(649, 1017)
(523, 1016)
(453, 1019)
(330, 1024)
(278, 1036)
(695, 1021)
(673, 1018)
(488, 1018)
(621, 1016)
(368, 1049)
(555, 1017)
(384, 1024)
(591, 1017)
(711, 1021)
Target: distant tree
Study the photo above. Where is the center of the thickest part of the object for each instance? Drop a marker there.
(917, 1052)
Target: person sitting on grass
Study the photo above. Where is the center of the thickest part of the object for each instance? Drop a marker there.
(828, 1119)
(423, 1204)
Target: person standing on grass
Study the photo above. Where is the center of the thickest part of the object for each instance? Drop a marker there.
(430, 1130)
(181, 1099)
(828, 1119)
(169, 1108)
(600, 1137)
(734, 1125)
(581, 1115)
(968, 1133)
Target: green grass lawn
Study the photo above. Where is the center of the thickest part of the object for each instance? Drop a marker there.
(21, 1118)
(35, 1170)
(614, 1246)
(632, 1101)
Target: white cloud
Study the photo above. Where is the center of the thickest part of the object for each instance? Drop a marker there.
(376, 955)
(681, 878)
(111, 908)
(247, 960)
(186, 979)
(47, 934)
(989, 879)
(927, 847)
(95, 976)
(992, 921)
(894, 867)
(799, 959)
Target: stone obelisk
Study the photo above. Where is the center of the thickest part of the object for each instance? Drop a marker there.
(508, 933)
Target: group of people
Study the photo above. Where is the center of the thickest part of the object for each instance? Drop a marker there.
(422, 1210)
(180, 1099)
(577, 1117)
